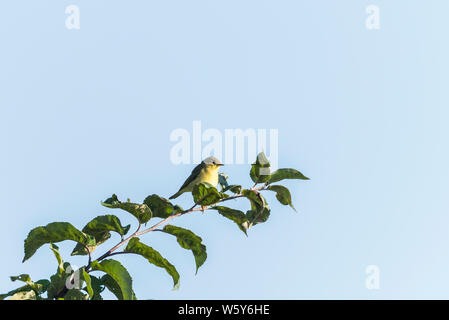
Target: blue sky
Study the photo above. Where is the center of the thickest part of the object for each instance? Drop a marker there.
(87, 113)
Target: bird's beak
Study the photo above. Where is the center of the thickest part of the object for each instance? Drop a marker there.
(220, 164)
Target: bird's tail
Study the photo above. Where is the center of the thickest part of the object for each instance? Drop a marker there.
(177, 194)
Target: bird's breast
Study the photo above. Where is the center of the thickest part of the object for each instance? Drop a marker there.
(209, 176)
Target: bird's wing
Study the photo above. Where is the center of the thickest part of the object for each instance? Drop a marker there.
(195, 172)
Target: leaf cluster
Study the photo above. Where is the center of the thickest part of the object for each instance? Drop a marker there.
(104, 273)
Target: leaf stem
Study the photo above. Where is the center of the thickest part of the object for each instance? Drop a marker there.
(90, 256)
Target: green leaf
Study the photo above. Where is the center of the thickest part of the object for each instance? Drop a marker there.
(58, 287)
(112, 286)
(253, 196)
(41, 286)
(161, 207)
(223, 181)
(106, 223)
(260, 211)
(118, 273)
(205, 194)
(154, 257)
(97, 287)
(259, 174)
(38, 287)
(262, 160)
(75, 294)
(13, 292)
(235, 215)
(24, 295)
(140, 211)
(257, 216)
(233, 188)
(57, 284)
(282, 194)
(260, 170)
(224, 195)
(190, 241)
(100, 228)
(82, 251)
(54, 232)
(23, 277)
(58, 257)
(108, 282)
(281, 174)
(86, 277)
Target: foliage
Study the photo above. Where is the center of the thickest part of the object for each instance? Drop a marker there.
(81, 284)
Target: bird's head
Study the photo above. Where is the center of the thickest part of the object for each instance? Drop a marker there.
(212, 162)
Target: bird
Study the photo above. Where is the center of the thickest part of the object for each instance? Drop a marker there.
(206, 171)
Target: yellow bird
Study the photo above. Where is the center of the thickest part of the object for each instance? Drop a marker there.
(206, 171)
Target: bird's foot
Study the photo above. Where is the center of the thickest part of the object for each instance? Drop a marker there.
(203, 208)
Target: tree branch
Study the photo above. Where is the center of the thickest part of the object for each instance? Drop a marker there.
(138, 233)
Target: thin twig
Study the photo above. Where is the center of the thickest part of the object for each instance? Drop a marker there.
(119, 252)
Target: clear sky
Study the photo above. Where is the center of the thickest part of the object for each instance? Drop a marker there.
(87, 113)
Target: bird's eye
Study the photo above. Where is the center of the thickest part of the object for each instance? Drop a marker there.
(213, 162)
